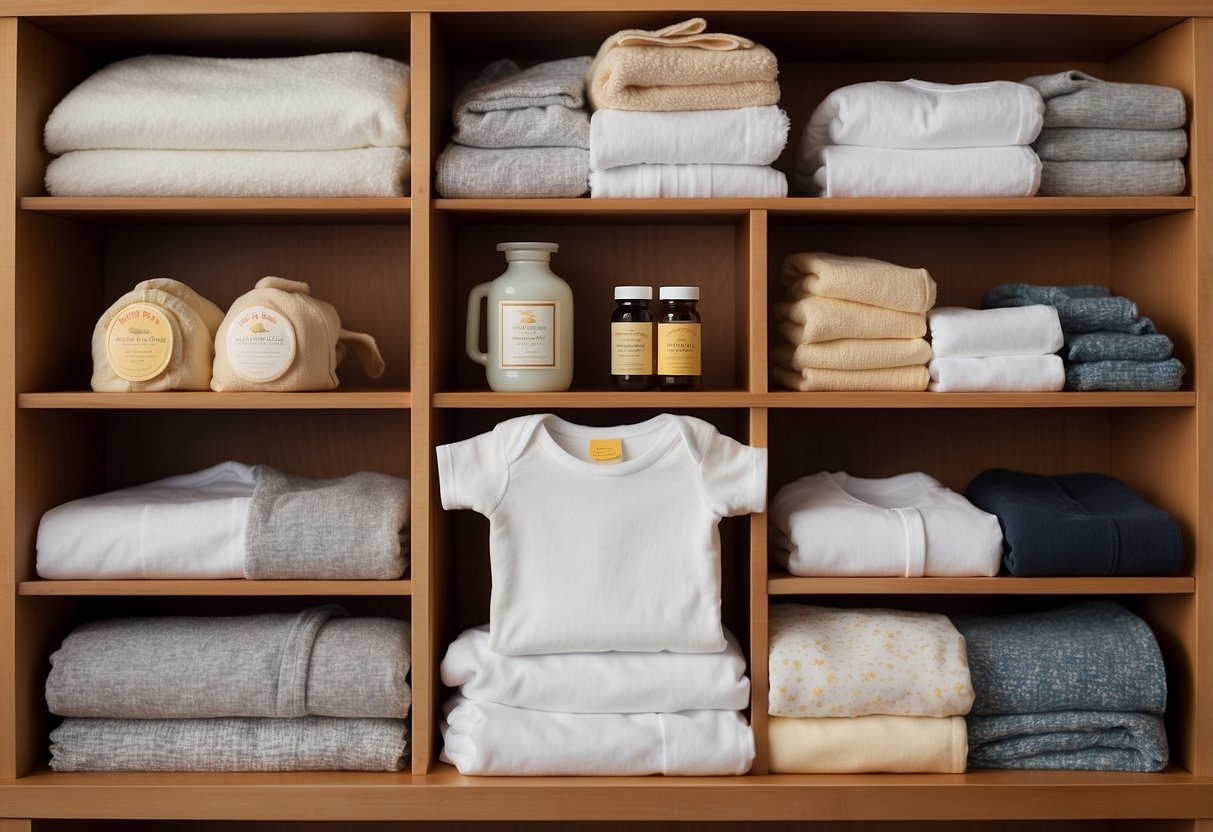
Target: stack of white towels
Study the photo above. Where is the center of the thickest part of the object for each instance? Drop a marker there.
(330, 125)
(921, 139)
(684, 113)
(996, 350)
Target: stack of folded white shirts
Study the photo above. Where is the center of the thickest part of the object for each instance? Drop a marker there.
(680, 112)
(989, 350)
(852, 323)
(866, 690)
(608, 713)
(921, 139)
(519, 134)
(277, 692)
(331, 125)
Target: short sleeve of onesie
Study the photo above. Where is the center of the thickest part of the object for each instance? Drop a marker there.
(473, 473)
(733, 476)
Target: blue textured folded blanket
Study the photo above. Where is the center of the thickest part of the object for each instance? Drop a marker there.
(1077, 524)
(1074, 740)
(1126, 375)
(1085, 347)
(1081, 308)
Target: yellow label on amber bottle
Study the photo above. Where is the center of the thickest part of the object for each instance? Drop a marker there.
(604, 450)
(632, 349)
(139, 342)
(678, 349)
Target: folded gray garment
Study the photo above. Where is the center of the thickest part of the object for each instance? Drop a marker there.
(1094, 656)
(1112, 178)
(1082, 144)
(309, 743)
(1074, 740)
(1083, 307)
(512, 173)
(348, 528)
(1085, 347)
(1076, 99)
(1126, 375)
(274, 665)
(543, 106)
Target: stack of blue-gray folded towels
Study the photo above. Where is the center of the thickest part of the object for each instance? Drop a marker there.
(1108, 139)
(1108, 345)
(1080, 687)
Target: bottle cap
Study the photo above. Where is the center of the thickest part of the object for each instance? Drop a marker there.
(633, 293)
(549, 247)
(680, 293)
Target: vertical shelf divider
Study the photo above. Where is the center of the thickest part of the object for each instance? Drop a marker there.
(759, 677)
(755, 269)
(8, 409)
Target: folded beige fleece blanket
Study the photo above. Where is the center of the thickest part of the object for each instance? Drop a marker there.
(812, 379)
(681, 67)
(828, 745)
(852, 354)
(860, 279)
(814, 319)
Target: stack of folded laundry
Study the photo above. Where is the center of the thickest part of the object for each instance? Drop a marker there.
(331, 125)
(866, 690)
(276, 692)
(1082, 687)
(680, 112)
(519, 134)
(1077, 524)
(833, 524)
(232, 521)
(916, 138)
(1108, 345)
(976, 350)
(596, 713)
(1108, 139)
(852, 323)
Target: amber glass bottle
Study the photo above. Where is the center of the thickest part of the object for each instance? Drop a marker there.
(678, 346)
(632, 339)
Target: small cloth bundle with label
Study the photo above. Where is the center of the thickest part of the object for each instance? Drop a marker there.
(279, 338)
(158, 336)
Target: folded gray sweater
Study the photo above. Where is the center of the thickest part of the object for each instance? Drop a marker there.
(1099, 144)
(512, 173)
(317, 662)
(1112, 178)
(543, 106)
(1076, 99)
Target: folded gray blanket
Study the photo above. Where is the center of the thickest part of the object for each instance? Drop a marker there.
(348, 528)
(1082, 144)
(543, 106)
(512, 173)
(1076, 99)
(1126, 375)
(1094, 656)
(1081, 308)
(1074, 740)
(310, 743)
(1112, 178)
(1084, 347)
(274, 665)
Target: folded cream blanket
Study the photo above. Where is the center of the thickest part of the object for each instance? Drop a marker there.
(813, 379)
(998, 374)
(185, 363)
(860, 279)
(511, 173)
(677, 181)
(543, 106)
(975, 333)
(852, 354)
(920, 114)
(843, 170)
(368, 171)
(308, 743)
(681, 67)
(317, 662)
(334, 101)
(744, 136)
(878, 742)
(816, 319)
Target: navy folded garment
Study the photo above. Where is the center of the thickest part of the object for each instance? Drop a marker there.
(1126, 375)
(1072, 740)
(1077, 524)
(1080, 308)
(1086, 347)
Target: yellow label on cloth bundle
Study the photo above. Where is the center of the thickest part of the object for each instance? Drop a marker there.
(261, 344)
(139, 342)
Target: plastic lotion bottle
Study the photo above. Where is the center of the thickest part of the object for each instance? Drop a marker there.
(530, 323)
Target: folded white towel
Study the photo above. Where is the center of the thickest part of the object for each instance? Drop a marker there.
(921, 114)
(745, 136)
(842, 170)
(975, 333)
(1000, 373)
(486, 738)
(598, 683)
(645, 181)
(333, 101)
(370, 171)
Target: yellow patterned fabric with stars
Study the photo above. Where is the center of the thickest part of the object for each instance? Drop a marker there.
(828, 662)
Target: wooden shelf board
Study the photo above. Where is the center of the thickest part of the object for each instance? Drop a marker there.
(781, 583)
(791, 399)
(349, 399)
(230, 587)
(596, 399)
(108, 210)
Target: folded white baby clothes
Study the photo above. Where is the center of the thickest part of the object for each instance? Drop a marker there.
(853, 662)
(691, 181)
(487, 738)
(598, 683)
(743, 136)
(975, 333)
(815, 319)
(877, 742)
(834, 524)
(859, 279)
(848, 171)
(998, 373)
(922, 114)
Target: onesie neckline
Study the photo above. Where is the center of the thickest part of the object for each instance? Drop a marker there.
(543, 425)
(911, 489)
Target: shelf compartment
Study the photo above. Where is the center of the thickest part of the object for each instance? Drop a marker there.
(203, 587)
(112, 210)
(977, 401)
(781, 583)
(205, 400)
